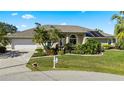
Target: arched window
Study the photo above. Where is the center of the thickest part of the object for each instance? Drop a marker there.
(73, 39)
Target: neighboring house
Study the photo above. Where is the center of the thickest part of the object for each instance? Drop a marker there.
(73, 34)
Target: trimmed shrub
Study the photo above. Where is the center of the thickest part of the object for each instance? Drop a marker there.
(68, 48)
(76, 52)
(61, 52)
(51, 51)
(107, 46)
(78, 46)
(92, 46)
(39, 53)
(39, 50)
(2, 49)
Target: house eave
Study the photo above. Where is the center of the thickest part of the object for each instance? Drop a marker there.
(102, 37)
(20, 37)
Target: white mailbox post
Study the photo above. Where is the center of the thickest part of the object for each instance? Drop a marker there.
(55, 60)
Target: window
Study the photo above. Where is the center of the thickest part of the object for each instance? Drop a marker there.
(73, 39)
(49, 44)
(114, 40)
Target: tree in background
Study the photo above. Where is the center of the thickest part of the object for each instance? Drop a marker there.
(4, 30)
(99, 30)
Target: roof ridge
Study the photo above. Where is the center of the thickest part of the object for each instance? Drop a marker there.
(61, 26)
(28, 29)
(71, 26)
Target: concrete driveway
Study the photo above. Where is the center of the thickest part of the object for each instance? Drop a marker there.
(16, 64)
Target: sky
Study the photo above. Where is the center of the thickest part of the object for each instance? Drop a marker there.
(90, 19)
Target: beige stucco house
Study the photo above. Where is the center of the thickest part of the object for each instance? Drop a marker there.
(73, 34)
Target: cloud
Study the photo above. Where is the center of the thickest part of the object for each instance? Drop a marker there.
(14, 14)
(64, 23)
(83, 11)
(28, 16)
(23, 25)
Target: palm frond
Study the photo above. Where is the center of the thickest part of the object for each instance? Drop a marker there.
(120, 36)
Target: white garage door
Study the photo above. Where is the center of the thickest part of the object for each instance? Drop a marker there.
(23, 44)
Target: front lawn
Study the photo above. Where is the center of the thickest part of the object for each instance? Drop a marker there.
(110, 62)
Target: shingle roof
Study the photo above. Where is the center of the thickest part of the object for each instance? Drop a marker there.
(64, 28)
(70, 28)
(23, 34)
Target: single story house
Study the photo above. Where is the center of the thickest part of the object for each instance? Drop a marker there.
(73, 34)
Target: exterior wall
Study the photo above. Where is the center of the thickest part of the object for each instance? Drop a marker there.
(27, 44)
(105, 41)
(67, 39)
(102, 40)
(79, 37)
(23, 44)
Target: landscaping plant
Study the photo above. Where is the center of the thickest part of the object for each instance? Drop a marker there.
(68, 48)
(39, 52)
(92, 46)
(107, 46)
(61, 52)
(120, 45)
(2, 49)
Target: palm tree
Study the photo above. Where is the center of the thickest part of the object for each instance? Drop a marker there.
(41, 36)
(54, 35)
(45, 34)
(119, 27)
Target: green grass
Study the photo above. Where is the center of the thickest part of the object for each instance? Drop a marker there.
(110, 62)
